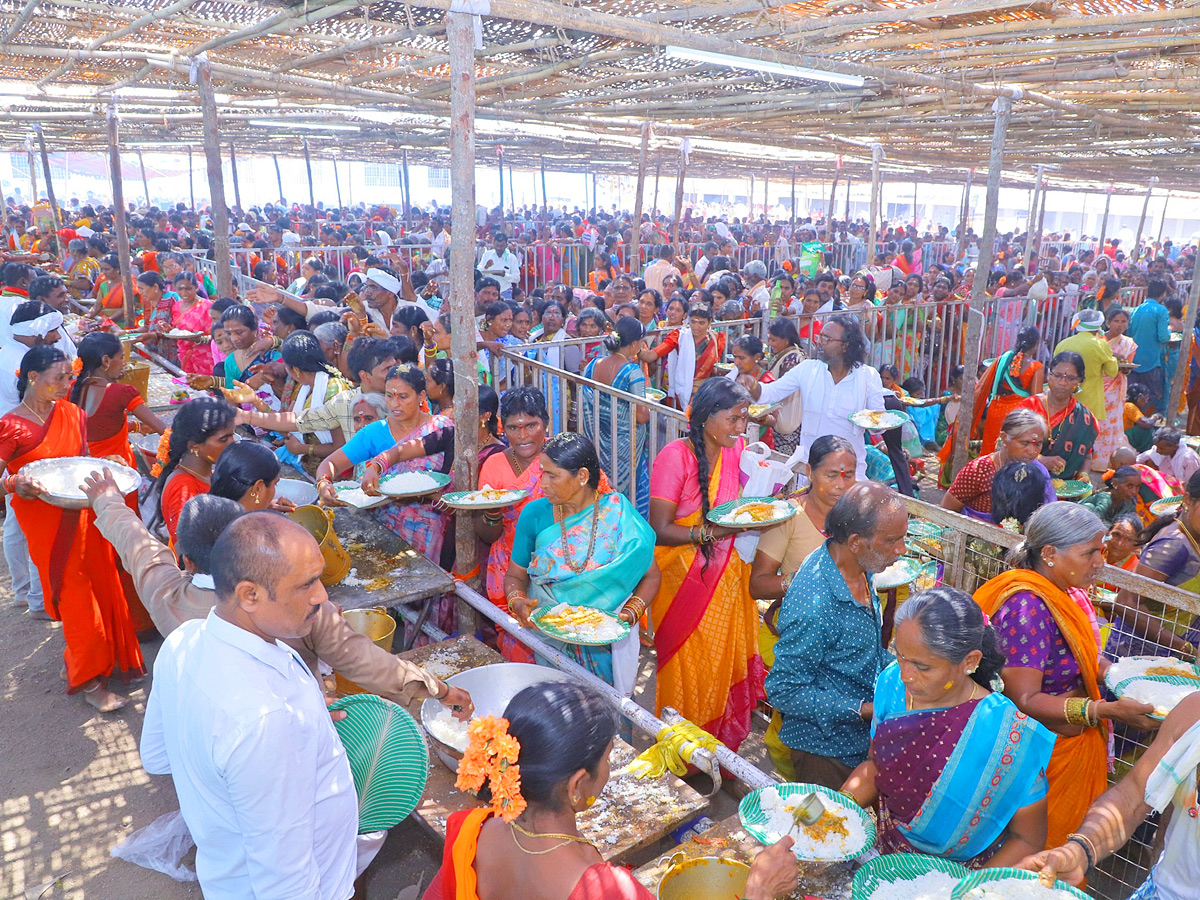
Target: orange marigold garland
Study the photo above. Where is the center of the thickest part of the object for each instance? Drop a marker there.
(492, 757)
(164, 453)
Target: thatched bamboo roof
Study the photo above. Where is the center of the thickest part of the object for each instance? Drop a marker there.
(1109, 89)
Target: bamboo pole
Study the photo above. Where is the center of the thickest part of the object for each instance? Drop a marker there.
(1041, 221)
(407, 189)
(145, 184)
(216, 179)
(460, 35)
(58, 241)
(512, 191)
(657, 172)
(635, 259)
(793, 203)
(119, 224)
(337, 182)
(872, 234)
(595, 196)
(1182, 367)
(237, 188)
(545, 202)
(1162, 223)
(829, 210)
(987, 253)
(848, 182)
(766, 196)
(32, 172)
(191, 180)
(1031, 218)
(1104, 221)
(1137, 241)
(312, 197)
(500, 171)
(278, 177)
(680, 176)
(914, 215)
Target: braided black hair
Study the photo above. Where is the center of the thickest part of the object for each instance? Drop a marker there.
(92, 350)
(714, 396)
(196, 421)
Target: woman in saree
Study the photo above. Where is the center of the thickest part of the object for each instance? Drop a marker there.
(249, 350)
(1050, 638)
(554, 317)
(1021, 438)
(518, 468)
(781, 549)
(199, 434)
(526, 842)
(705, 622)
(1011, 378)
(1145, 627)
(190, 314)
(1112, 429)
(1073, 429)
(580, 545)
(316, 382)
(623, 444)
(108, 291)
(955, 769)
(81, 274)
(691, 353)
(784, 343)
(76, 565)
(418, 520)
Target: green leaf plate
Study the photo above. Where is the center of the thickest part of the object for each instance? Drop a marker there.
(1113, 677)
(896, 868)
(754, 820)
(1075, 489)
(723, 514)
(385, 488)
(467, 500)
(1179, 681)
(656, 395)
(569, 637)
(983, 876)
(388, 759)
(903, 571)
(1167, 506)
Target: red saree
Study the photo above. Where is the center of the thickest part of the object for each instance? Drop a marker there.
(77, 566)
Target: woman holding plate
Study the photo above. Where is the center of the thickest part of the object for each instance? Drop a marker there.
(705, 623)
(419, 523)
(955, 770)
(584, 546)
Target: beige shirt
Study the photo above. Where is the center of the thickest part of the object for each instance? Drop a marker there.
(171, 599)
(791, 541)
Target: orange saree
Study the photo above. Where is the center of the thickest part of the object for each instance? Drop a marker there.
(1078, 770)
(77, 566)
(705, 624)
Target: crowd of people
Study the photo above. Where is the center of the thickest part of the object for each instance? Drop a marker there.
(976, 725)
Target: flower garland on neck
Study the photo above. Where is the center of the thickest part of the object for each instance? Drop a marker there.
(492, 756)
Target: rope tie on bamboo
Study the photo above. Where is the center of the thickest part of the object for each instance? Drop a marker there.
(476, 9)
(672, 751)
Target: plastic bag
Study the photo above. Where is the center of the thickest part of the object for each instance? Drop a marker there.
(160, 846)
(764, 476)
(811, 256)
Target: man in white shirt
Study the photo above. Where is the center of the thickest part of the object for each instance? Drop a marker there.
(240, 723)
(1170, 456)
(33, 323)
(832, 388)
(51, 290)
(706, 258)
(439, 238)
(501, 263)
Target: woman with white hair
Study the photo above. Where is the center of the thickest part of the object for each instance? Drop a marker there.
(1050, 637)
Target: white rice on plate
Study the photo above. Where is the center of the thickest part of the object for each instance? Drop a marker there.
(1137, 666)
(409, 483)
(930, 886)
(745, 517)
(351, 492)
(1162, 696)
(607, 628)
(1016, 889)
(832, 845)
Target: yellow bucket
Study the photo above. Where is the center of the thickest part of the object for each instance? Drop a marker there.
(319, 523)
(708, 878)
(375, 624)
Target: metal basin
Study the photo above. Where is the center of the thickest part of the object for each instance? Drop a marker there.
(299, 492)
(490, 687)
(707, 878)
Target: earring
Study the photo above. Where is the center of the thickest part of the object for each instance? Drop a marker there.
(972, 671)
(591, 801)
(254, 496)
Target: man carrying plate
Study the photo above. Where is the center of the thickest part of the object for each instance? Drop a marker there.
(832, 387)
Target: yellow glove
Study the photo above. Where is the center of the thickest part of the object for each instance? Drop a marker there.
(673, 751)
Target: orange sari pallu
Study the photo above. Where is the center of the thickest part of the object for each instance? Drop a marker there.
(705, 624)
(77, 566)
(1078, 770)
(108, 436)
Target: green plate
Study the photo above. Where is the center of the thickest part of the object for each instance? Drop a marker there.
(983, 876)
(387, 756)
(462, 500)
(904, 571)
(442, 481)
(1167, 506)
(1113, 683)
(754, 820)
(1177, 680)
(919, 529)
(656, 395)
(1073, 490)
(888, 419)
(568, 637)
(723, 514)
(896, 868)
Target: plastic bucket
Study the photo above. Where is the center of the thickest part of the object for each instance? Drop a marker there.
(319, 523)
(707, 878)
(375, 624)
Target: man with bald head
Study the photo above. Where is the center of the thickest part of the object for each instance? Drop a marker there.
(240, 723)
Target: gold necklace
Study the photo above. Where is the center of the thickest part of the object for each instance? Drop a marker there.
(515, 462)
(562, 526)
(193, 472)
(33, 412)
(908, 704)
(564, 839)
